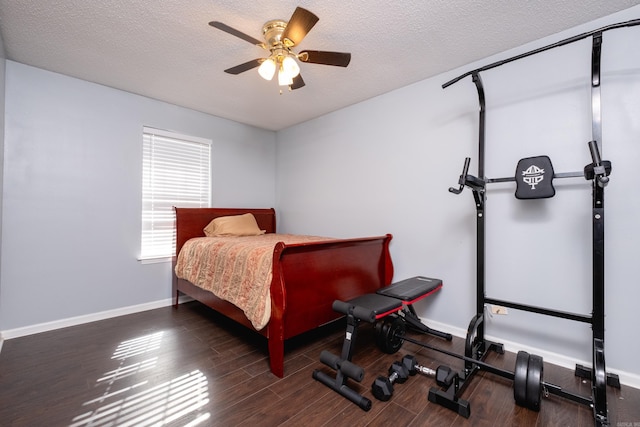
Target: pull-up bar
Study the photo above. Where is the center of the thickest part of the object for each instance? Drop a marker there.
(629, 23)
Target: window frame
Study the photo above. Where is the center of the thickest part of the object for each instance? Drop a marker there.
(170, 157)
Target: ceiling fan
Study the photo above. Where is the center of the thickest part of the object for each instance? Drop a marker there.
(280, 37)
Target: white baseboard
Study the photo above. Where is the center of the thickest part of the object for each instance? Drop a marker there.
(78, 320)
(626, 378)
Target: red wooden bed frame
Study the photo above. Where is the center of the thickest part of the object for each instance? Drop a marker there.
(307, 278)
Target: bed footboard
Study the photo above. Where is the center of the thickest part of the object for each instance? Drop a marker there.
(308, 278)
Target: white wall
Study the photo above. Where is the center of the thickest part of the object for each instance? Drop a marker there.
(2, 85)
(72, 193)
(385, 165)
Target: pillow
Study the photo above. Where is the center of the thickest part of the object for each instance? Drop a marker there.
(236, 225)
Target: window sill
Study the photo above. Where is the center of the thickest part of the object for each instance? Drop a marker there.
(155, 260)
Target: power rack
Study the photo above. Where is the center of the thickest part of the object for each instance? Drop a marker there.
(477, 346)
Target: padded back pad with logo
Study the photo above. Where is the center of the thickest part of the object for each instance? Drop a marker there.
(534, 178)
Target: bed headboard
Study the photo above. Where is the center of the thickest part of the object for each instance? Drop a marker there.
(190, 222)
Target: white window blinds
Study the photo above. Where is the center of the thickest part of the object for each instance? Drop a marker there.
(176, 171)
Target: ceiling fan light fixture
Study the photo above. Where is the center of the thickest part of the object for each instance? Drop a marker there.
(289, 69)
(284, 79)
(290, 66)
(267, 69)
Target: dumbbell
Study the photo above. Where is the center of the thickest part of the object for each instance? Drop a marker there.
(443, 374)
(382, 387)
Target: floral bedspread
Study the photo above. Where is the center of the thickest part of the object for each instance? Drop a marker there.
(236, 269)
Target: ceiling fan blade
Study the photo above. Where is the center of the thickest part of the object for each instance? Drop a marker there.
(339, 59)
(234, 32)
(299, 25)
(244, 67)
(297, 82)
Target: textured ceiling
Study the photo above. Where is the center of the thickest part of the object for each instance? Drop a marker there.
(165, 49)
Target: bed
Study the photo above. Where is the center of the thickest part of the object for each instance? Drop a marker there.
(306, 277)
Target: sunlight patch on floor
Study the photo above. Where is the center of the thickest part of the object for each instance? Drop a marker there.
(138, 346)
(179, 399)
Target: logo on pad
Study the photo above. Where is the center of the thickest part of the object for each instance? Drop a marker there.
(532, 176)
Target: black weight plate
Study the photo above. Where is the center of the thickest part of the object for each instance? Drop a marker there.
(520, 378)
(534, 382)
(377, 328)
(381, 327)
(382, 330)
(390, 333)
(395, 334)
(599, 378)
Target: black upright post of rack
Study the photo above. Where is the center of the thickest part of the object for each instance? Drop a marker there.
(598, 374)
(476, 345)
(479, 197)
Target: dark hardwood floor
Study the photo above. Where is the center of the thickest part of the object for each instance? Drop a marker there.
(190, 367)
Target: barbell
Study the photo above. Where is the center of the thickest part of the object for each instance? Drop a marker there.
(527, 375)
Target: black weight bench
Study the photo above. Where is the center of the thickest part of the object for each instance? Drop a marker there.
(397, 298)
(410, 291)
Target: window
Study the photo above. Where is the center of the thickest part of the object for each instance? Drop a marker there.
(176, 171)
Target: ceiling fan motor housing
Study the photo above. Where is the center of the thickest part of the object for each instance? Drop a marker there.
(272, 32)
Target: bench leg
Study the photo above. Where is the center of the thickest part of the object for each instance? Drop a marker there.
(414, 322)
(343, 367)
